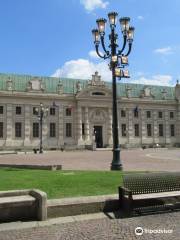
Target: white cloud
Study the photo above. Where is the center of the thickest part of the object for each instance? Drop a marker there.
(94, 55)
(90, 5)
(164, 51)
(83, 69)
(161, 80)
(140, 17)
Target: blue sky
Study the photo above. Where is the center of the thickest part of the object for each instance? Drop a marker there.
(53, 38)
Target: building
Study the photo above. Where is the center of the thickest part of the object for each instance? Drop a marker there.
(81, 111)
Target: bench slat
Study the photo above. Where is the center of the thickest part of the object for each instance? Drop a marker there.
(157, 195)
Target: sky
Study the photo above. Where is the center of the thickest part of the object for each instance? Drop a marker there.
(53, 38)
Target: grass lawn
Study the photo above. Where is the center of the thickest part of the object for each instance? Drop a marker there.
(59, 184)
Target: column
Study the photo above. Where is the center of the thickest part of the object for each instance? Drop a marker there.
(61, 126)
(109, 132)
(9, 135)
(167, 128)
(86, 126)
(27, 126)
(79, 126)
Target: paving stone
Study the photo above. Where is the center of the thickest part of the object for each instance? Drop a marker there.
(103, 229)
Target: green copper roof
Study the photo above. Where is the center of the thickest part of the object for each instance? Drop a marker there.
(20, 83)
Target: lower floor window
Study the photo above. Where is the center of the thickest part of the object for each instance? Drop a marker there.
(123, 130)
(149, 130)
(83, 129)
(136, 130)
(68, 129)
(1, 130)
(52, 130)
(18, 129)
(172, 130)
(35, 130)
(161, 132)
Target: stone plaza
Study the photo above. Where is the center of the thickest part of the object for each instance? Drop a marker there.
(152, 159)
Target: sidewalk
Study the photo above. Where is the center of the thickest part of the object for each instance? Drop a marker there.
(95, 227)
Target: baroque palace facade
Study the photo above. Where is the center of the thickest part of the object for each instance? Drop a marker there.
(80, 111)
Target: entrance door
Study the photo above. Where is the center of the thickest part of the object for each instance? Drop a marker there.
(98, 136)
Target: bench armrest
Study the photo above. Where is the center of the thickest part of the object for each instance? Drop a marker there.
(124, 191)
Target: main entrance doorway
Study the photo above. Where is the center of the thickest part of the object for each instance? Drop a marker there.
(98, 136)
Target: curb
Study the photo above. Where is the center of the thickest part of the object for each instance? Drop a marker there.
(50, 222)
(82, 205)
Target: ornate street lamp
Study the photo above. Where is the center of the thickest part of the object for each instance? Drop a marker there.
(42, 112)
(118, 61)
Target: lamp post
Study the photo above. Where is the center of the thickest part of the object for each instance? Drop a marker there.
(42, 112)
(118, 61)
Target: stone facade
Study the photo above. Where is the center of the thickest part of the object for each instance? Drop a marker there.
(80, 112)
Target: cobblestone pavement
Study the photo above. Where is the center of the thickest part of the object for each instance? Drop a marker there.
(104, 229)
(137, 159)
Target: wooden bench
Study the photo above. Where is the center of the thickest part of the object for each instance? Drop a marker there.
(149, 191)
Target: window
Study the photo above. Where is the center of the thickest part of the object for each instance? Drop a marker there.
(52, 130)
(83, 130)
(98, 93)
(136, 130)
(172, 130)
(149, 130)
(35, 130)
(1, 130)
(35, 111)
(52, 111)
(161, 132)
(68, 111)
(123, 130)
(123, 113)
(148, 113)
(18, 110)
(18, 129)
(68, 130)
(160, 114)
(136, 113)
(171, 115)
(1, 109)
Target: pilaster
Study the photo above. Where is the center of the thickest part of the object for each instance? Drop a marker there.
(130, 127)
(109, 132)
(61, 126)
(167, 129)
(143, 126)
(86, 127)
(79, 126)
(27, 126)
(9, 125)
(155, 129)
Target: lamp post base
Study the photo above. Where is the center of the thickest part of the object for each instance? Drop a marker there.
(116, 163)
(40, 150)
(116, 167)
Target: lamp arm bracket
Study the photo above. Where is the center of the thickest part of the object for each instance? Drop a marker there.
(97, 51)
(124, 45)
(130, 48)
(103, 46)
